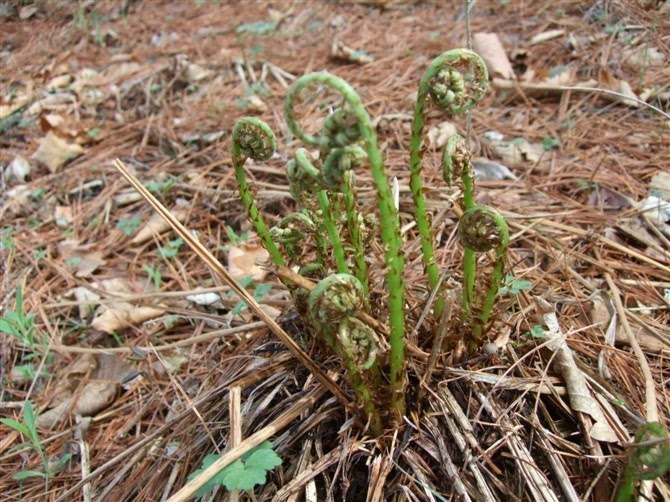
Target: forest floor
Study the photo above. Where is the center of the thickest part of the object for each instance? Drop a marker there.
(125, 344)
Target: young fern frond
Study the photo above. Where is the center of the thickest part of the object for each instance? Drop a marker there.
(253, 138)
(446, 82)
(342, 130)
(332, 306)
(482, 229)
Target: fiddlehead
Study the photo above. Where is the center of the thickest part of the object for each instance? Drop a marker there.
(253, 138)
(303, 162)
(456, 164)
(390, 227)
(291, 231)
(332, 306)
(446, 82)
(482, 229)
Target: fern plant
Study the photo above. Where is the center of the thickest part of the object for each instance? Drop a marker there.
(329, 239)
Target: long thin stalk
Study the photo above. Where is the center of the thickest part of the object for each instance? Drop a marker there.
(253, 138)
(390, 225)
(447, 89)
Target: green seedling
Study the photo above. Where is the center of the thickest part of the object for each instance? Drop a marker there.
(649, 459)
(21, 326)
(155, 275)
(328, 239)
(129, 225)
(171, 248)
(28, 429)
(243, 474)
(513, 286)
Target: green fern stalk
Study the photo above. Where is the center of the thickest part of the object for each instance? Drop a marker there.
(448, 89)
(253, 138)
(390, 226)
(482, 229)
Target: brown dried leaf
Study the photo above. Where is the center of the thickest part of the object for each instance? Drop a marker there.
(54, 152)
(119, 315)
(580, 395)
(489, 47)
(242, 261)
(157, 225)
(95, 397)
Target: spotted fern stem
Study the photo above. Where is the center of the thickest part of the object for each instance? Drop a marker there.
(344, 128)
(253, 138)
(481, 229)
(332, 307)
(446, 82)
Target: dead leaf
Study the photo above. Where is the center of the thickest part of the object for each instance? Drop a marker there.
(17, 199)
(642, 56)
(661, 182)
(54, 152)
(195, 73)
(82, 294)
(95, 397)
(204, 298)
(488, 170)
(89, 263)
(156, 225)
(581, 398)
(546, 35)
(608, 81)
(115, 316)
(515, 151)
(18, 169)
(340, 51)
(28, 11)
(489, 47)
(242, 261)
(600, 314)
(59, 82)
(120, 315)
(440, 133)
(256, 104)
(63, 216)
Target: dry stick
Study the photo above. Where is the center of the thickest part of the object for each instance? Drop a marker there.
(221, 271)
(585, 233)
(649, 386)
(234, 405)
(181, 343)
(252, 441)
(242, 382)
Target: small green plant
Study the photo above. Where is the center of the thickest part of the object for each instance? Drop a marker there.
(513, 286)
(21, 326)
(7, 238)
(155, 275)
(649, 459)
(171, 248)
(260, 291)
(158, 187)
(243, 474)
(129, 225)
(29, 430)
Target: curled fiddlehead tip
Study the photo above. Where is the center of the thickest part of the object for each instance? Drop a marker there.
(292, 228)
(254, 138)
(357, 340)
(456, 158)
(341, 128)
(457, 80)
(334, 299)
(482, 228)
